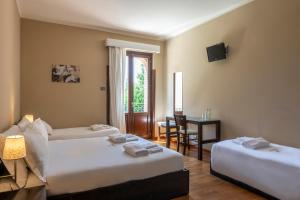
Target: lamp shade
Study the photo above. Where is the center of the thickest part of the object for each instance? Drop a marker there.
(14, 147)
(29, 117)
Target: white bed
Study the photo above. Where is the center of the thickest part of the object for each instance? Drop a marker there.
(80, 132)
(274, 170)
(83, 164)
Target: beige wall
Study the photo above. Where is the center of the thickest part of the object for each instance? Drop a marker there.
(9, 63)
(69, 105)
(256, 91)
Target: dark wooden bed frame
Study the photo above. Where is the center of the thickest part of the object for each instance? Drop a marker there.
(162, 187)
(242, 185)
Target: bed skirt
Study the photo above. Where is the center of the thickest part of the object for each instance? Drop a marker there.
(242, 185)
(162, 187)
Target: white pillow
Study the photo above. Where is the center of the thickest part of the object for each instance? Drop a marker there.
(39, 125)
(37, 151)
(23, 124)
(48, 127)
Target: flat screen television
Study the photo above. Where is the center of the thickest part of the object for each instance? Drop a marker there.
(216, 52)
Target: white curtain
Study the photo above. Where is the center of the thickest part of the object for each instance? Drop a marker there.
(117, 64)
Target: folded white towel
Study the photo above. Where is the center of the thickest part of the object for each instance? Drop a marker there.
(99, 127)
(134, 149)
(122, 138)
(131, 139)
(241, 140)
(256, 143)
(252, 143)
(155, 149)
(117, 138)
(149, 145)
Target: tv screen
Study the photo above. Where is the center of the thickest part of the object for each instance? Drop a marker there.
(216, 52)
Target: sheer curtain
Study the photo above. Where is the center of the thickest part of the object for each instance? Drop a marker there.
(117, 64)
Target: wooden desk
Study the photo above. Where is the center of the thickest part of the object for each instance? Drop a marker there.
(200, 123)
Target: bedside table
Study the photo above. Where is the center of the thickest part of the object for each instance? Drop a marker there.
(33, 190)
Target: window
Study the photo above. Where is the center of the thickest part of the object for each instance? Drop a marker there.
(178, 106)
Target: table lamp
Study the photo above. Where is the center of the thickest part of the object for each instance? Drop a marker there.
(14, 148)
(29, 117)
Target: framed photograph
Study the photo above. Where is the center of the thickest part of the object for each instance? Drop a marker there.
(65, 73)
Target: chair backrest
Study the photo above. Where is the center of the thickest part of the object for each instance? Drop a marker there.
(180, 121)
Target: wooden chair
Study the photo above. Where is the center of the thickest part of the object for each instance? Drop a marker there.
(181, 123)
(170, 126)
(164, 125)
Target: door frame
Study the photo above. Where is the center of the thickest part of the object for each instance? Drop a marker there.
(150, 88)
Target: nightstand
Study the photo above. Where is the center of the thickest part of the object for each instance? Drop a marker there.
(32, 189)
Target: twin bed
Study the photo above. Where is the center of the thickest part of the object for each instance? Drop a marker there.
(84, 164)
(273, 172)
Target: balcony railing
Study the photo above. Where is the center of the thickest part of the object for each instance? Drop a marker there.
(137, 107)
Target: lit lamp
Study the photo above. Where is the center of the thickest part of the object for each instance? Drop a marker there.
(29, 117)
(14, 148)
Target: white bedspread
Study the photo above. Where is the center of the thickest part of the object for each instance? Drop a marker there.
(84, 164)
(80, 132)
(274, 170)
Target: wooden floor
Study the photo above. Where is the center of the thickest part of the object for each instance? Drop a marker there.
(208, 187)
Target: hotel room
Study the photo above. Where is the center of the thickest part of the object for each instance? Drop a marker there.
(149, 100)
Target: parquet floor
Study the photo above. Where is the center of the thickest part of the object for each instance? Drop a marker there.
(208, 187)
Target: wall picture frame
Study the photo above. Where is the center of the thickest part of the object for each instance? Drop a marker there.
(65, 73)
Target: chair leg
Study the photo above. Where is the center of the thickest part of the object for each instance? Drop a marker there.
(178, 141)
(188, 142)
(184, 144)
(158, 133)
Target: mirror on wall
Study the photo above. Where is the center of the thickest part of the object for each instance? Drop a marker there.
(177, 92)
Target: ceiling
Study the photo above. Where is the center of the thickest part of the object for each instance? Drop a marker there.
(157, 19)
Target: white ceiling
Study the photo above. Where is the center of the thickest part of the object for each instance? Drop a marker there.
(158, 19)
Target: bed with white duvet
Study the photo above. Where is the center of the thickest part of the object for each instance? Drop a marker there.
(84, 164)
(90, 165)
(274, 170)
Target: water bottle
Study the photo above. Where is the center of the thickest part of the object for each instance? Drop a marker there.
(208, 114)
(203, 116)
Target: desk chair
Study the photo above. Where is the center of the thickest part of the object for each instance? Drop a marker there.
(182, 129)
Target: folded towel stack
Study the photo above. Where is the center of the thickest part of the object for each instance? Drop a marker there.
(256, 143)
(122, 138)
(252, 143)
(117, 138)
(99, 127)
(137, 149)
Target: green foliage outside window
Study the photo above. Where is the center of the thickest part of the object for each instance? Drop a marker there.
(138, 92)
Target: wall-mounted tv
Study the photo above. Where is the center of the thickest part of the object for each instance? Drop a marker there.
(216, 52)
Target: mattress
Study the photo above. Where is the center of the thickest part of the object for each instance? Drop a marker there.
(274, 170)
(83, 164)
(80, 132)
